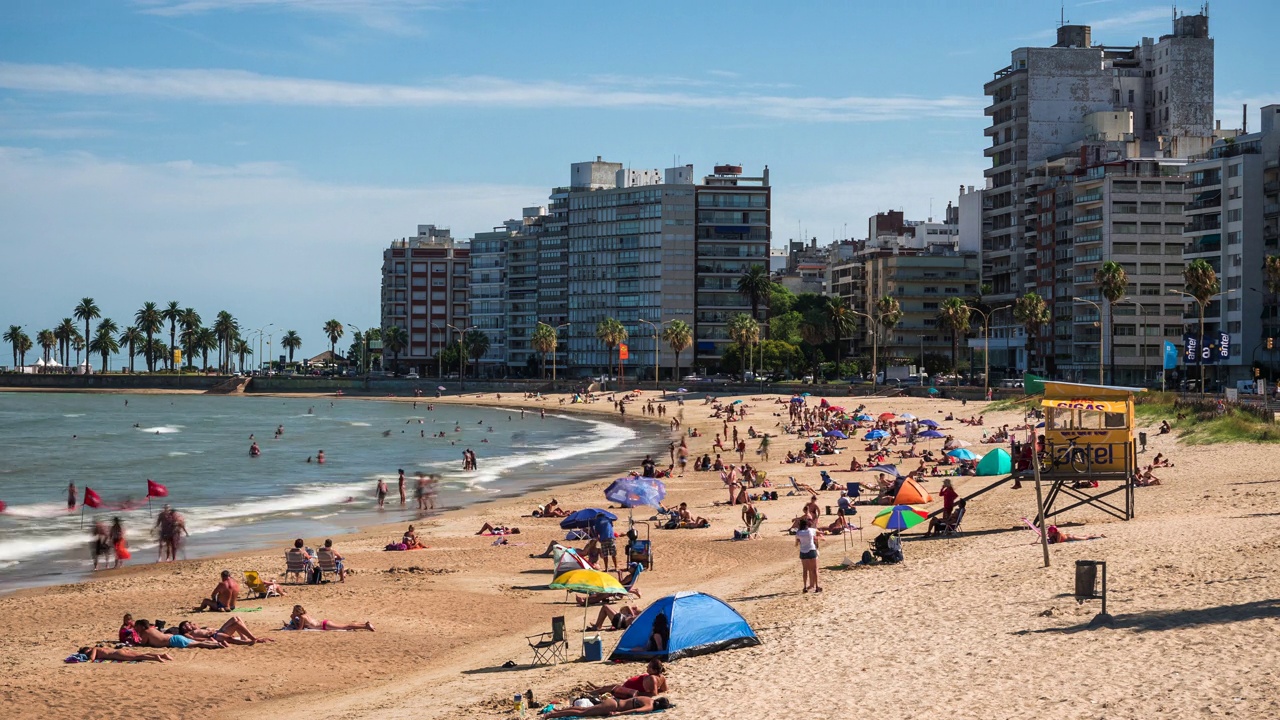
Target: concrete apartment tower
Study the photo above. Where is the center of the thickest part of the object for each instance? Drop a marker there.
(424, 289)
(1048, 99)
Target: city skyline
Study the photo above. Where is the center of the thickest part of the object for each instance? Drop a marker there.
(255, 155)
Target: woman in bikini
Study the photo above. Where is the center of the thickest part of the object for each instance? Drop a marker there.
(610, 707)
(123, 655)
(300, 620)
(651, 684)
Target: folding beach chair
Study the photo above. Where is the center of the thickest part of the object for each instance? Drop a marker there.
(550, 647)
(853, 490)
(296, 564)
(327, 562)
(257, 587)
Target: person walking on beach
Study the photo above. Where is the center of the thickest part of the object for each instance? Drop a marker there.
(100, 544)
(382, 492)
(118, 545)
(71, 496)
(807, 538)
(401, 481)
(420, 491)
(603, 528)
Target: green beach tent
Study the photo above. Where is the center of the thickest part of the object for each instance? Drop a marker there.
(996, 462)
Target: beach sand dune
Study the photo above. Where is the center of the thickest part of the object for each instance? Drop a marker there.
(968, 627)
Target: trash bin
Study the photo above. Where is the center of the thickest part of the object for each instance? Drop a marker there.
(592, 648)
(1086, 580)
(1142, 440)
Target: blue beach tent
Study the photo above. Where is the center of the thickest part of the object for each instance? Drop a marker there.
(699, 624)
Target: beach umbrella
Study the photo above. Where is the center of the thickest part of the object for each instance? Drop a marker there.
(891, 469)
(588, 581)
(797, 399)
(682, 390)
(836, 408)
(836, 434)
(440, 388)
(736, 402)
(823, 403)
(887, 416)
(933, 391)
(899, 517)
(963, 454)
(636, 491)
(863, 417)
(583, 518)
(907, 416)
(875, 435)
(930, 434)
(930, 423)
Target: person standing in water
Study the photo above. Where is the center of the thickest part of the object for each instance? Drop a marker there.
(320, 457)
(71, 497)
(118, 544)
(382, 492)
(402, 496)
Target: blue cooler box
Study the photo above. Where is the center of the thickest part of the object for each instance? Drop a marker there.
(592, 649)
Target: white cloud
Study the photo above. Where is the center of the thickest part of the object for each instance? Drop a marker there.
(241, 87)
(257, 239)
(1141, 18)
(385, 15)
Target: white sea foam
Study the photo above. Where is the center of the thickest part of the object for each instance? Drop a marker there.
(72, 414)
(310, 496)
(605, 437)
(17, 550)
(176, 453)
(161, 429)
(37, 510)
(7, 564)
(358, 424)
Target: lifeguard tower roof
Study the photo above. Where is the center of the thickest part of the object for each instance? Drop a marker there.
(1056, 389)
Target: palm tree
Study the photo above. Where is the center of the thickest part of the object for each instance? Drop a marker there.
(24, 346)
(226, 329)
(544, 340)
(679, 336)
(149, 323)
(755, 285)
(78, 342)
(241, 348)
(155, 350)
(1112, 282)
(333, 330)
(744, 331)
(953, 316)
(477, 344)
(171, 314)
(888, 312)
(131, 338)
(394, 340)
(204, 340)
(1033, 313)
(612, 333)
(1202, 285)
(65, 331)
(840, 318)
(47, 342)
(190, 322)
(14, 337)
(104, 342)
(291, 342)
(87, 310)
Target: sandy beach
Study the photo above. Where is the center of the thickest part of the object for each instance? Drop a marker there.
(970, 626)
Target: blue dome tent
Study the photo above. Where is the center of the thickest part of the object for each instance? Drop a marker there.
(698, 624)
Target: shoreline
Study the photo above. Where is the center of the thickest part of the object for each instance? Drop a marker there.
(364, 526)
(1188, 584)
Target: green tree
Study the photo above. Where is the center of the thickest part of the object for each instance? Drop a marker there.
(394, 341)
(226, 329)
(13, 336)
(190, 324)
(612, 333)
(132, 339)
(544, 340)
(204, 340)
(757, 287)
(1033, 313)
(149, 321)
(171, 314)
(333, 330)
(781, 300)
(1202, 285)
(954, 316)
(47, 342)
(65, 331)
(241, 348)
(745, 332)
(679, 337)
(1112, 282)
(24, 346)
(477, 344)
(78, 342)
(777, 356)
(841, 320)
(786, 327)
(86, 310)
(104, 342)
(291, 342)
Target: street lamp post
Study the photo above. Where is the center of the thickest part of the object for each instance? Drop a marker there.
(871, 323)
(364, 353)
(1101, 338)
(1201, 341)
(986, 345)
(556, 330)
(655, 327)
(462, 356)
(262, 331)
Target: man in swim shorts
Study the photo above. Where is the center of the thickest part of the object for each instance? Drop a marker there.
(152, 637)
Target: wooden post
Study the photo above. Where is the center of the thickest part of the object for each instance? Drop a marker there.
(1044, 528)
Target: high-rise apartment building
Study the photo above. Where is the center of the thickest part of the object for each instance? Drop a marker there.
(488, 310)
(1232, 221)
(1048, 99)
(424, 289)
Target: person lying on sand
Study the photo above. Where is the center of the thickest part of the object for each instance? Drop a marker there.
(123, 655)
(620, 619)
(1057, 536)
(152, 637)
(609, 707)
(300, 620)
(497, 530)
(652, 683)
(233, 632)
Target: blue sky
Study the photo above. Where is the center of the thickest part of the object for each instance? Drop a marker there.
(256, 155)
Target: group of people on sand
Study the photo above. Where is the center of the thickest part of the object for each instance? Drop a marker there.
(142, 633)
(108, 543)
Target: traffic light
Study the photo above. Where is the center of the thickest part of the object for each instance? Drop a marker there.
(1257, 373)
(1271, 343)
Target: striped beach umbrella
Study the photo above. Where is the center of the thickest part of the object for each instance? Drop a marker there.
(899, 517)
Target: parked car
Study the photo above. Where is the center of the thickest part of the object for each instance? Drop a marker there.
(412, 375)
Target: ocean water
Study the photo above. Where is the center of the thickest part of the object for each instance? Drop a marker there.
(198, 447)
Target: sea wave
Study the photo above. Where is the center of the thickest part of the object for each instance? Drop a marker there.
(37, 510)
(161, 429)
(307, 496)
(176, 453)
(605, 437)
(358, 424)
(19, 549)
(72, 414)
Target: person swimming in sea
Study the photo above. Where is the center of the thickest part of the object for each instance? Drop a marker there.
(255, 451)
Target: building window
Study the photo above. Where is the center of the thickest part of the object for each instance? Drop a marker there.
(1233, 170)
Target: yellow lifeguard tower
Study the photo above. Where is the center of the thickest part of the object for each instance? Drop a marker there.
(1090, 452)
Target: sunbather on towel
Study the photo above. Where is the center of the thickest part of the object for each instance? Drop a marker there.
(651, 684)
(152, 637)
(233, 631)
(300, 620)
(1057, 536)
(609, 707)
(488, 529)
(123, 655)
(620, 619)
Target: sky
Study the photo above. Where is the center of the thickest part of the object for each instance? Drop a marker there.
(256, 156)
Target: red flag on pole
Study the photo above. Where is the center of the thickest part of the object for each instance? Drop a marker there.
(91, 498)
(155, 489)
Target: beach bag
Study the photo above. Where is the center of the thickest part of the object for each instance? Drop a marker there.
(315, 577)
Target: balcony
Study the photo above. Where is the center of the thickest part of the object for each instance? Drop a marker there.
(1088, 198)
(1092, 237)
(1204, 244)
(1090, 218)
(1271, 210)
(1204, 182)
(1203, 223)
(1208, 203)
